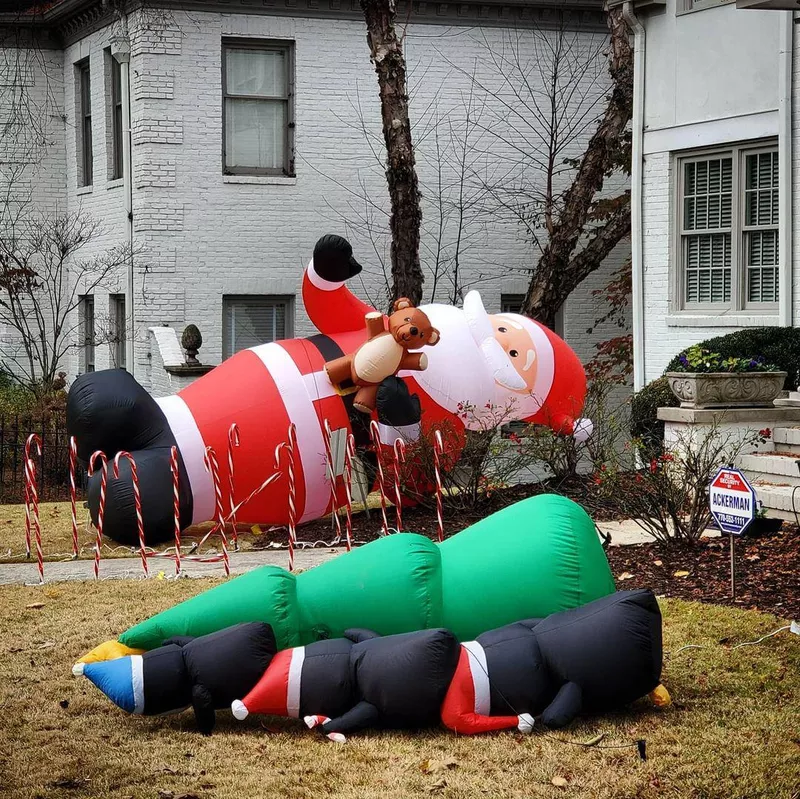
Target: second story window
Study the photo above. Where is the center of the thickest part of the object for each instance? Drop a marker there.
(84, 125)
(257, 78)
(115, 108)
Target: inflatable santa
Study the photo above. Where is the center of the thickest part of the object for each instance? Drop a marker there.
(483, 368)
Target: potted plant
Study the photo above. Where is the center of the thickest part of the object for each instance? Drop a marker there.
(705, 379)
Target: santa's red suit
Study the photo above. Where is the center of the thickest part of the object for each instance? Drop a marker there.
(484, 370)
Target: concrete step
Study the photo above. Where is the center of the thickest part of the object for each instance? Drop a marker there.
(786, 439)
(783, 468)
(778, 499)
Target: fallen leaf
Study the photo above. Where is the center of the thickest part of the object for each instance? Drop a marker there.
(46, 645)
(681, 574)
(437, 786)
(626, 576)
(559, 782)
(256, 530)
(596, 740)
(35, 605)
(432, 766)
(658, 563)
(752, 558)
(160, 576)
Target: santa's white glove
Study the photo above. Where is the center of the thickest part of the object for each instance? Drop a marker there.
(582, 430)
(525, 722)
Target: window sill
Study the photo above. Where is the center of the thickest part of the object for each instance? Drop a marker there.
(723, 320)
(262, 180)
(84, 190)
(115, 184)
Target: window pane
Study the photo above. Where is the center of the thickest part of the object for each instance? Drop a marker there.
(761, 251)
(250, 322)
(511, 303)
(761, 192)
(707, 191)
(707, 267)
(258, 72)
(255, 133)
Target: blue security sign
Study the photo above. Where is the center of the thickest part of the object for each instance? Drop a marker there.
(732, 501)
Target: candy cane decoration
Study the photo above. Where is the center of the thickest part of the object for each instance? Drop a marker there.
(137, 499)
(399, 457)
(176, 506)
(349, 454)
(32, 496)
(332, 474)
(29, 486)
(375, 433)
(290, 447)
(73, 494)
(233, 441)
(101, 509)
(438, 451)
(212, 467)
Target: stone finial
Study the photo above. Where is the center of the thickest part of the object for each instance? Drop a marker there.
(191, 341)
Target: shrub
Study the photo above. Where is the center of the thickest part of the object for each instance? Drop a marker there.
(645, 425)
(776, 345)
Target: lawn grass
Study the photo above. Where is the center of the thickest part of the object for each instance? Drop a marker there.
(732, 732)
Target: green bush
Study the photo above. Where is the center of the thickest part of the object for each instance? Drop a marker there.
(644, 415)
(776, 345)
(14, 399)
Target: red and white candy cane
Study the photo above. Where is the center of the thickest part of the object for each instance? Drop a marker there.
(101, 508)
(438, 451)
(176, 506)
(375, 433)
(233, 441)
(290, 448)
(332, 475)
(399, 457)
(73, 493)
(212, 467)
(32, 499)
(349, 454)
(137, 500)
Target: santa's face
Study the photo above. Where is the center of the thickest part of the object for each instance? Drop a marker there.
(520, 349)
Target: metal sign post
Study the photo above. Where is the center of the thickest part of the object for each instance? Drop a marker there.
(732, 502)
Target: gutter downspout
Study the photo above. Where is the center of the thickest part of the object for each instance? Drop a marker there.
(637, 234)
(121, 50)
(785, 278)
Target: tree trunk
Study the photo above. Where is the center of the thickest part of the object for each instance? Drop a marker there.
(558, 272)
(401, 175)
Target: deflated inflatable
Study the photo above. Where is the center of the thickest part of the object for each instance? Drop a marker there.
(591, 659)
(482, 365)
(533, 558)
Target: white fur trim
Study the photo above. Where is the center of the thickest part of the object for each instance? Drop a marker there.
(318, 282)
(406, 432)
(525, 722)
(293, 685)
(480, 677)
(318, 385)
(239, 710)
(137, 677)
(193, 449)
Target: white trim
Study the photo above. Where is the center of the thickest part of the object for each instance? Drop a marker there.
(320, 283)
(137, 679)
(480, 677)
(193, 449)
(300, 409)
(318, 385)
(785, 173)
(293, 682)
(722, 320)
(406, 432)
(709, 134)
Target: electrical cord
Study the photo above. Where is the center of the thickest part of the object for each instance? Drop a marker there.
(744, 643)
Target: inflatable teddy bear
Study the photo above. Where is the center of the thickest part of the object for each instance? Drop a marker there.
(385, 352)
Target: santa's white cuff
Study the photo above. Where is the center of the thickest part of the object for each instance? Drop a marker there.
(525, 722)
(406, 432)
(321, 283)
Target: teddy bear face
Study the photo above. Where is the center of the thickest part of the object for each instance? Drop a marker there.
(412, 329)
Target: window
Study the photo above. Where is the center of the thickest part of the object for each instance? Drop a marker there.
(87, 331)
(84, 125)
(698, 5)
(115, 112)
(728, 229)
(116, 303)
(257, 78)
(248, 321)
(511, 303)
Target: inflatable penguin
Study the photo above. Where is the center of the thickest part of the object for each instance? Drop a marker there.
(484, 363)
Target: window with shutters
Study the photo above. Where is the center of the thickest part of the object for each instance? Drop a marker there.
(258, 107)
(728, 229)
(248, 321)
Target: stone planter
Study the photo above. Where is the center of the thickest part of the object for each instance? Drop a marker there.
(726, 389)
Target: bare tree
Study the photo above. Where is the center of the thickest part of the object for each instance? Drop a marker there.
(42, 278)
(387, 55)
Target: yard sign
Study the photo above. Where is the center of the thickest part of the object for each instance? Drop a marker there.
(732, 501)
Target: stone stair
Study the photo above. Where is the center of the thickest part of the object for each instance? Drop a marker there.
(775, 473)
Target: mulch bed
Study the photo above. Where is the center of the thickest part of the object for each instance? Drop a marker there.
(767, 567)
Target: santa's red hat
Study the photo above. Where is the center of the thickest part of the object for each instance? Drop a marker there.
(277, 693)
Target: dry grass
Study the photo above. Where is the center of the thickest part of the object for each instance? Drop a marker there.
(732, 732)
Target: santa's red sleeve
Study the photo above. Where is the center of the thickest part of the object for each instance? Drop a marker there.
(332, 307)
(467, 695)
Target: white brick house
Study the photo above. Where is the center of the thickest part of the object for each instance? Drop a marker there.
(715, 172)
(234, 175)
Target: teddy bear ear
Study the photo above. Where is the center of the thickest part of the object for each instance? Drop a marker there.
(434, 339)
(402, 303)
